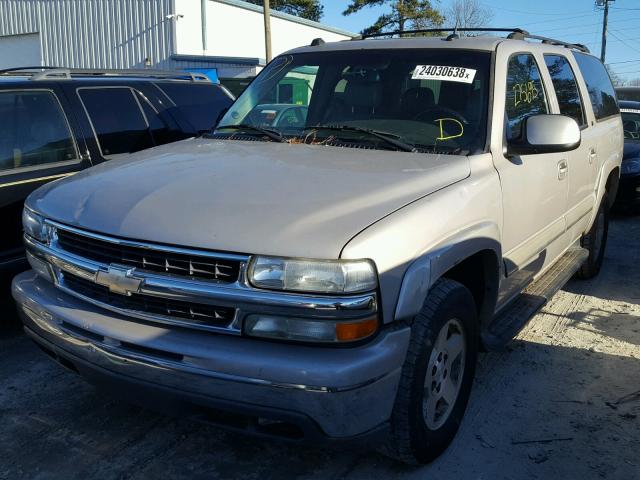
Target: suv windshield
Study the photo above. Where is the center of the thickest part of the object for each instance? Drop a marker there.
(432, 100)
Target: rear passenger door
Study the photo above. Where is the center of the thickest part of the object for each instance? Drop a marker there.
(604, 116)
(36, 146)
(582, 161)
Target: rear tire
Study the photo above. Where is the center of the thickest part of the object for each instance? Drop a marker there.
(595, 241)
(437, 375)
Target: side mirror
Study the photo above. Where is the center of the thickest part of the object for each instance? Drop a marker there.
(545, 134)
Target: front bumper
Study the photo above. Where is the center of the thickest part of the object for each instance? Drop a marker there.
(325, 393)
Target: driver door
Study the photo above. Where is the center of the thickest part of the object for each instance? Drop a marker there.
(534, 187)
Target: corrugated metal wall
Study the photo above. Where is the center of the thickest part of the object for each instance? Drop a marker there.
(95, 33)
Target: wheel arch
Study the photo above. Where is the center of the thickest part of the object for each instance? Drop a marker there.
(473, 258)
(611, 185)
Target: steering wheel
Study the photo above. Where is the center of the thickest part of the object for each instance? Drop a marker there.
(433, 113)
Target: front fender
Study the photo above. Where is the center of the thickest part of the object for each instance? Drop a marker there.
(428, 235)
(426, 270)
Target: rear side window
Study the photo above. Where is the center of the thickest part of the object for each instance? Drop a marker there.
(566, 87)
(601, 92)
(525, 93)
(116, 117)
(34, 131)
(200, 104)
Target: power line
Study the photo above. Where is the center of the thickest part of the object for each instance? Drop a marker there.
(624, 42)
(626, 61)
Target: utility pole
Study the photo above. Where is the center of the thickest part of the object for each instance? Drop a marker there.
(605, 21)
(267, 30)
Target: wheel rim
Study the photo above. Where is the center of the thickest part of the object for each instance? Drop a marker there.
(599, 233)
(444, 375)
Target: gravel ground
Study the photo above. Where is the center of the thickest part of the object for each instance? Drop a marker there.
(562, 401)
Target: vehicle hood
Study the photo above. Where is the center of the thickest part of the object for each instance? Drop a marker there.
(246, 197)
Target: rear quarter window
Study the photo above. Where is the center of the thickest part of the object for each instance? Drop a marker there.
(601, 91)
(34, 132)
(200, 104)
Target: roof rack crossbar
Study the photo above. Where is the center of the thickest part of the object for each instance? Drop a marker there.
(514, 33)
(52, 74)
(438, 30)
(25, 69)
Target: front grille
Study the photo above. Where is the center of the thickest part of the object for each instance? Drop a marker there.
(187, 265)
(194, 313)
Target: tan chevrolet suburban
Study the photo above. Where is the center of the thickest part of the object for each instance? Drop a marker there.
(331, 277)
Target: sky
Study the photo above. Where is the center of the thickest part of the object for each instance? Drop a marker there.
(570, 20)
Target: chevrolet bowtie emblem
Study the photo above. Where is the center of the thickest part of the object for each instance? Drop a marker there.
(119, 280)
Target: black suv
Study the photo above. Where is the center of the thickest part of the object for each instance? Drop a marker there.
(55, 122)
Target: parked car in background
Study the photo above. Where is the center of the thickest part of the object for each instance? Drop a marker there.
(279, 115)
(628, 196)
(628, 93)
(333, 280)
(55, 122)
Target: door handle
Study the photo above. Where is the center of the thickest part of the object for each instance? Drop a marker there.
(563, 168)
(592, 155)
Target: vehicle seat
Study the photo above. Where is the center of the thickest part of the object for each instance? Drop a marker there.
(361, 100)
(416, 100)
(630, 129)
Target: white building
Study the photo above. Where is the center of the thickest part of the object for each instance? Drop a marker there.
(170, 34)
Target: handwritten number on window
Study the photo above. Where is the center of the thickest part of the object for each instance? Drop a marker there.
(524, 93)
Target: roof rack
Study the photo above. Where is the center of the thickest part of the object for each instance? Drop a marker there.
(514, 34)
(57, 73)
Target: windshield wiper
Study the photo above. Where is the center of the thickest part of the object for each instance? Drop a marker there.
(272, 134)
(389, 138)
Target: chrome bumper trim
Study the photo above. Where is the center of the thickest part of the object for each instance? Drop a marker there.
(239, 295)
(115, 355)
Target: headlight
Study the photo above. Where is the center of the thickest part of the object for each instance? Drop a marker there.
(35, 226)
(631, 165)
(318, 276)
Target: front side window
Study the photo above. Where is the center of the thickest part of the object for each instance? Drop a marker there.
(199, 103)
(566, 87)
(432, 100)
(601, 91)
(34, 131)
(525, 93)
(116, 117)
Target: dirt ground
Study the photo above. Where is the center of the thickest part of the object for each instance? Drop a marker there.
(562, 401)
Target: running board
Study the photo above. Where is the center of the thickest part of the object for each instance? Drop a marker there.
(514, 317)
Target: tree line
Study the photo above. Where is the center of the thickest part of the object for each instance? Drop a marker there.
(400, 15)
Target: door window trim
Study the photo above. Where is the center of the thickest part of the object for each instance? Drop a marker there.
(93, 129)
(44, 166)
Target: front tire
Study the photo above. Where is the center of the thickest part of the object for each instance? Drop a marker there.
(437, 375)
(595, 241)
